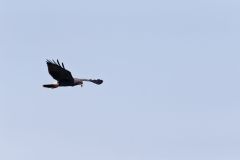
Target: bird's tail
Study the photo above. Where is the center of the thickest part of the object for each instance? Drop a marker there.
(50, 86)
(96, 81)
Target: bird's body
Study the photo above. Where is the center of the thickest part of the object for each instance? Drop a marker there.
(64, 77)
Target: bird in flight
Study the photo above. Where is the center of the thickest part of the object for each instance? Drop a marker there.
(64, 77)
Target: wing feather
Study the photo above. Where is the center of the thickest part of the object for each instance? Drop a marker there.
(58, 62)
(96, 81)
(58, 72)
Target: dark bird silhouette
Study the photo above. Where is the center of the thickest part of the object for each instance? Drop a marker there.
(64, 77)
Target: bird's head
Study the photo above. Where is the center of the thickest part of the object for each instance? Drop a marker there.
(78, 82)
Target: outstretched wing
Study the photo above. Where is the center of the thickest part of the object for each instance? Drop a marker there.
(59, 72)
(96, 81)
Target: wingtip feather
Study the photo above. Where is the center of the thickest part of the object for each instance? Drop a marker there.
(97, 81)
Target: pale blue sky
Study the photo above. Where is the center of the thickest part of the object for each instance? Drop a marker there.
(171, 76)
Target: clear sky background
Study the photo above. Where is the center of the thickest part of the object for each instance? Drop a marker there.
(171, 72)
